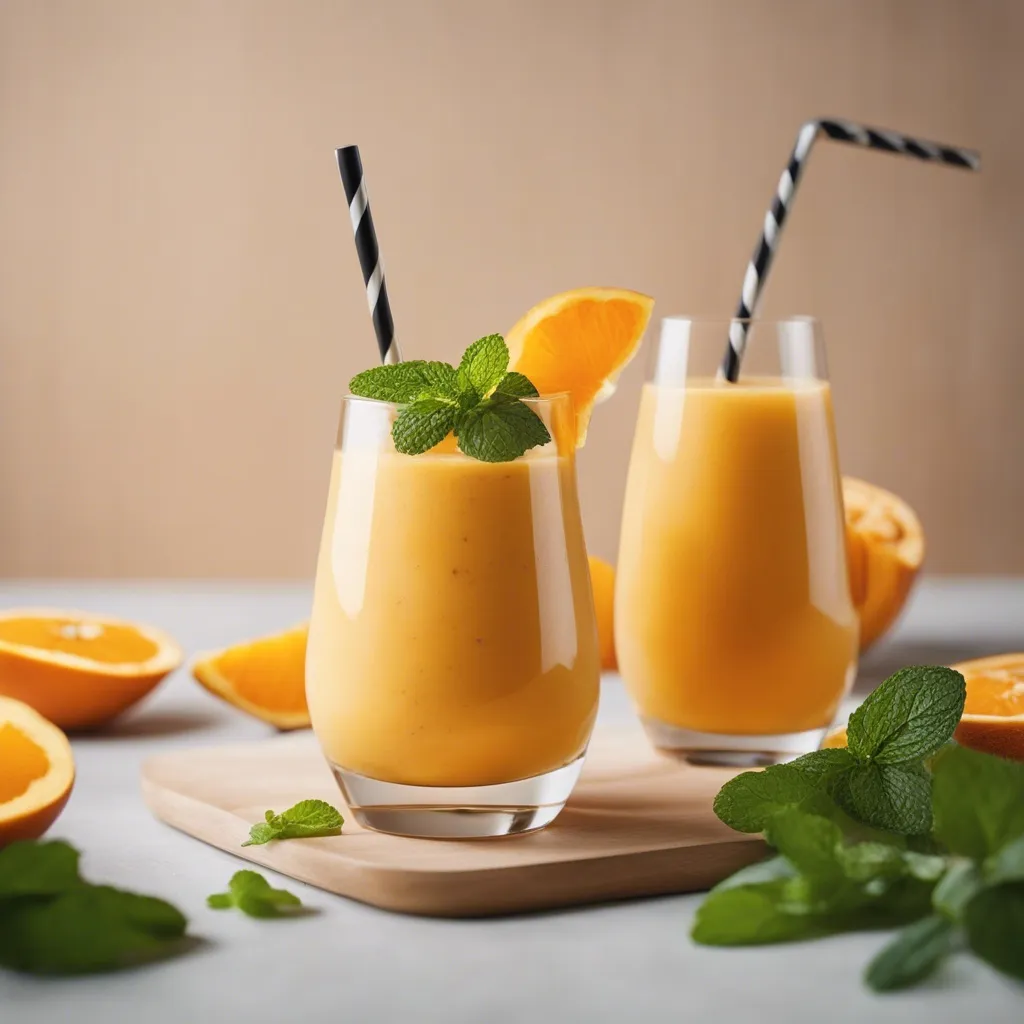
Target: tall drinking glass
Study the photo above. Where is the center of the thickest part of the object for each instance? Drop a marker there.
(735, 630)
(452, 667)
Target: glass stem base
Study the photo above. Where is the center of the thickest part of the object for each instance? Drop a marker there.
(734, 751)
(458, 812)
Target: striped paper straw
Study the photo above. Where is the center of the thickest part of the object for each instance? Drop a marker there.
(351, 167)
(761, 262)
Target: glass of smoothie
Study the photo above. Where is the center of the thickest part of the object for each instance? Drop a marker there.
(453, 667)
(734, 627)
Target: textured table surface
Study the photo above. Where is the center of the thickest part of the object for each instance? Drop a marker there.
(352, 963)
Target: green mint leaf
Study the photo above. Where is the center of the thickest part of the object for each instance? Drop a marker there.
(260, 834)
(748, 802)
(909, 716)
(978, 801)
(862, 862)
(517, 385)
(994, 922)
(406, 382)
(916, 952)
(957, 887)
(306, 820)
(809, 842)
(483, 366)
(423, 424)
(500, 429)
(896, 798)
(1007, 865)
(752, 915)
(253, 895)
(773, 869)
(87, 928)
(34, 868)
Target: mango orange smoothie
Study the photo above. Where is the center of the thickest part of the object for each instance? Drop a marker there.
(733, 612)
(452, 640)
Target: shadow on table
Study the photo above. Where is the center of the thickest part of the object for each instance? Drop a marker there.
(160, 722)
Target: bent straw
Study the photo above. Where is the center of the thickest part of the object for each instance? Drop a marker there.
(761, 262)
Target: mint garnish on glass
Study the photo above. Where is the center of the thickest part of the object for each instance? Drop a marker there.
(478, 402)
(903, 828)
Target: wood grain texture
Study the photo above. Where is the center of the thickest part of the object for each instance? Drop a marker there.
(181, 305)
(636, 825)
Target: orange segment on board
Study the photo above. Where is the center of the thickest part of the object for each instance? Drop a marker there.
(80, 670)
(602, 580)
(265, 677)
(36, 772)
(579, 342)
(884, 550)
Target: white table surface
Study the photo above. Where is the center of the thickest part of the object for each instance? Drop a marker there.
(352, 963)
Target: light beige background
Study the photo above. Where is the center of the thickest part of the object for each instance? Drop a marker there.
(181, 307)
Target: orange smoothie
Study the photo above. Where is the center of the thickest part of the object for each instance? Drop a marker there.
(452, 640)
(733, 613)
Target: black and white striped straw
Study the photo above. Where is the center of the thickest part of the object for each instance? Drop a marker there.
(351, 167)
(761, 262)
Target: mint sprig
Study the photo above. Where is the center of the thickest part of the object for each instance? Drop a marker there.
(251, 893)
(479, 402)
(306, 820)
(905, 828)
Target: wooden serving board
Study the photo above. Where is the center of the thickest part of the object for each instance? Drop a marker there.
(637, 824)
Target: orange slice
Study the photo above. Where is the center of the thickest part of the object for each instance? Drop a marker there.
(884, 550)
(36, 772)
(602, 581)
(579, 342)
(265, 678)
(80, 670)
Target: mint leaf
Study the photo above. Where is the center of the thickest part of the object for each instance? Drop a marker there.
(896, 798)
(1007, 865)
(748, 802)
(87, 928)
(958, 886)
(32, 868)
(423, 424)
(773, 869)
(405, 382)
(994, 922)
(914, 954)
(500, 429)
(517, 385)
(809, 842)
(253, 895)
(863, 862)
(978, 801)
(306, 820)
(909, 716)
(483, 366)
(753, 914)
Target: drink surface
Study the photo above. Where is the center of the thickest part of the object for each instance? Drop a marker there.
(452, 640)
(733, 612)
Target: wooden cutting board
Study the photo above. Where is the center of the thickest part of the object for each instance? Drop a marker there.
(637, 824)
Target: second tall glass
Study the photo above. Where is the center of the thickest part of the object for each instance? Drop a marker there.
(735, 631)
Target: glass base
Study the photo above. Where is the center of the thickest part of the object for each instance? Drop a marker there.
(458, 812)
(722, 749)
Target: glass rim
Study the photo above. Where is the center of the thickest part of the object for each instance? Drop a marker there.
(699, 318)
(551, 399)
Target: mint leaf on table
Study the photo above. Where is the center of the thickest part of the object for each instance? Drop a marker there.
(978, 801)
(517, 385)
(251, 893)
(957, 887)
(483, 365)
(746, 915)
(423, 424)
(34, 868)
(500, 429)
(909, 716)
(912, 955)
(994, 923)
(306, 820)
(894, 797)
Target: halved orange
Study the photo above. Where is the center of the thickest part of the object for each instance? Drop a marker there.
(602, 581)
(579, 342)
(884, 551)
(993, 718)
(77, 669)
(265, 677)
(37, 772)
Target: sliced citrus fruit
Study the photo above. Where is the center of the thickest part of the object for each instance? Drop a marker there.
(36, 772)
(602, 581)
(265, 677)
(579, 342)
(77, 669)
(884, 549)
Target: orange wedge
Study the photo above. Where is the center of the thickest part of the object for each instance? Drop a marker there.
(36, 772)
(884, 551)
(602, 581)
(265, 678)
(993, 718)
(579, 342)
(80, 670)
